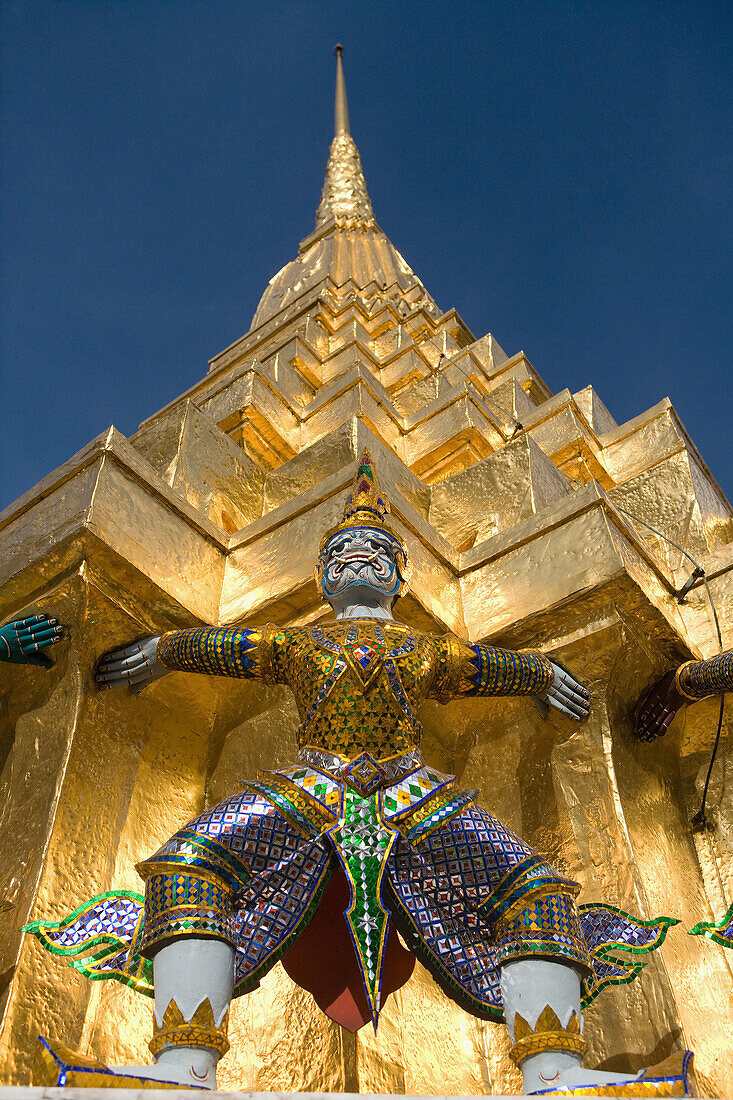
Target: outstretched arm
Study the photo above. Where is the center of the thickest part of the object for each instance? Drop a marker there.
(692, 681)
(21, 641)
(245, 654)
(487, 670)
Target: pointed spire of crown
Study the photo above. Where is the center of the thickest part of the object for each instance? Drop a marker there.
(344, 196)
(365, 503)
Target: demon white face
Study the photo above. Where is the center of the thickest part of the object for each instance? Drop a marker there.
(361, 564)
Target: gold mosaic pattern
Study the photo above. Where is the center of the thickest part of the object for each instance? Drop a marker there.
(323, 788)
(547, 1034)
(57, 1066)
(698, 679)
(433, 813)
(217, 652)
(182, 904)
(200, 1031)
(549, 925)
(411, 790)
(297, 805)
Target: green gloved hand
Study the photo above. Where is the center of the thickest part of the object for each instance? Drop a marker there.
(21, 642)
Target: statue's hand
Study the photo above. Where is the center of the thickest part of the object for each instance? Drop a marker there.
(567, 695)
(21, 641)
(657, 707)
(133, 665)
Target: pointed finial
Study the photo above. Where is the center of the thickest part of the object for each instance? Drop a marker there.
(366, 494)
(344, 194)
(341, 113)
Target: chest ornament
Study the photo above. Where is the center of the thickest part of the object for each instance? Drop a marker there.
(364, 650)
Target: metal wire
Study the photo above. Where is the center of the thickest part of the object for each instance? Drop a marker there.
(698, 820)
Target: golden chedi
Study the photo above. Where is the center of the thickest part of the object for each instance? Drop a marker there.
(513, 505)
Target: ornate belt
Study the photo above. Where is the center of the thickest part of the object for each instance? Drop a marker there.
(363, 773)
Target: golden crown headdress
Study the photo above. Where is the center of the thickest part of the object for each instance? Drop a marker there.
(366, 506)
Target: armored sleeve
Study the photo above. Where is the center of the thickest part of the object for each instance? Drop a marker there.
(259, 654)
(697, 679)
(466, 669)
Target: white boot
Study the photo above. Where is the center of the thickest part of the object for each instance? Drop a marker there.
(529, 987)
(194, 982)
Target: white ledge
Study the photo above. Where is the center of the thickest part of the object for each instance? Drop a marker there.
(175, 1094)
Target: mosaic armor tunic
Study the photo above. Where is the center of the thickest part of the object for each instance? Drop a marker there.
(359, 683)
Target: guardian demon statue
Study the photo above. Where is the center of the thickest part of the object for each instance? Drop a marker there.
(357, 840)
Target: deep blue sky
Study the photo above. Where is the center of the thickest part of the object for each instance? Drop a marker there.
(556, 171)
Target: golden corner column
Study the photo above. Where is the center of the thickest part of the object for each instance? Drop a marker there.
(509, 499)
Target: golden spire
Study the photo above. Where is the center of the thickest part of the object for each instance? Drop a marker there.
(344, 197)
(347, 246)
(341, 112)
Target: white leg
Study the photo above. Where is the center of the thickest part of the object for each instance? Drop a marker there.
(530, 985)
(527, 987)
(190, 972)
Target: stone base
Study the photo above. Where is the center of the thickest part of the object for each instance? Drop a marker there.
(42, 1093)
